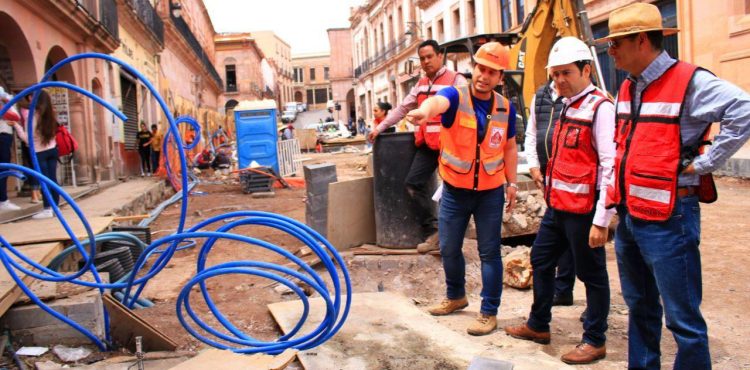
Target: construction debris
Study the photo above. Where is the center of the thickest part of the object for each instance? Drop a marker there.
(68, 354)
(517, 272)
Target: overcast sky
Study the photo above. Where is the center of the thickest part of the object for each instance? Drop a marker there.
(301, 23)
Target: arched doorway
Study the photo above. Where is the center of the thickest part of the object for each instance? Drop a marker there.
(16, 60)
(298, 96)
(229, 105)
(70, 112)
(65, 73)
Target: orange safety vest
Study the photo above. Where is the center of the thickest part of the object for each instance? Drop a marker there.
(429, 133)
(574, 165)
(648, 146)
(465, 162)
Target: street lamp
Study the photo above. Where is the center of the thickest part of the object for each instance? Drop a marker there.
(175, 9)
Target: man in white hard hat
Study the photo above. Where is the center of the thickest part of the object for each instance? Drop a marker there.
(478, 159)
(576, 220)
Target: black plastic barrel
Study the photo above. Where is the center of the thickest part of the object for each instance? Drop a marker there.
(397, 222)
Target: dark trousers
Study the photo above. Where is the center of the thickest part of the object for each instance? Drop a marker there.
(155, 156)
(456, 206)
(660, 276)
(422, 168)
(560, 232)
(145, 154)
(6, 142)
(48, 166)
(566, 274)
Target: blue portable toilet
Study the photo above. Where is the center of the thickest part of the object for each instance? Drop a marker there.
(255, 123)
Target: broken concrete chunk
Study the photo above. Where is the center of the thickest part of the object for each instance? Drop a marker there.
(517, 271)
(520, 221)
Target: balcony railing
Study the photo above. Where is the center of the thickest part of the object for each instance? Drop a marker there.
(106, 15)
(384, 54)
(148, 15)
(184, 30)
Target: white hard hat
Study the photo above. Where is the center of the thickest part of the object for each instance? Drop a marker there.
(568, 50)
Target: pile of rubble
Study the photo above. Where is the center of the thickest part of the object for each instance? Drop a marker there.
(527, 214)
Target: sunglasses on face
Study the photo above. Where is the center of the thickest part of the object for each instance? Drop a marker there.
(616, 43)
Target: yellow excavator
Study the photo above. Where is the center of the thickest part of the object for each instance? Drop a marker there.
(529, 48)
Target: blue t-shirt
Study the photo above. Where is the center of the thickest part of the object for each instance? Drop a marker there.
(481, 107)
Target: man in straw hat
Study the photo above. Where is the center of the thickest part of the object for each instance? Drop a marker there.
(664, 111)
(477, 162)
(579, 169)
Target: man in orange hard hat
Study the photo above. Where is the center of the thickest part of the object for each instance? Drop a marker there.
(477, 162)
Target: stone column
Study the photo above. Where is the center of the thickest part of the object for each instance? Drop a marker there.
(79, 126)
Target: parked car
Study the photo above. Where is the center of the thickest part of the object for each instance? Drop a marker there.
(289, 116)
(301, 107)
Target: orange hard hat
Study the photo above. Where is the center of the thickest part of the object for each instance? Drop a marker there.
(493, 55)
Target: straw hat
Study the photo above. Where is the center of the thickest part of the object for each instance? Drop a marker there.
(636, 18)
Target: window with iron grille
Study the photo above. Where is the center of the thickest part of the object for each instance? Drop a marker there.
(231, 77)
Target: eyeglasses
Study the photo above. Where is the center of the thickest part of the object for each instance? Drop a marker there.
(616, 43)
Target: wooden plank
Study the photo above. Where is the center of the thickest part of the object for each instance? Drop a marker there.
(351, 213)
(384, 329)
(49, 230)
(131, 218)
(40, 253)
(216, 359)
(373, 250)
(125, 325)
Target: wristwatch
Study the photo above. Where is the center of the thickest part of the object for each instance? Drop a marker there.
(513, 185)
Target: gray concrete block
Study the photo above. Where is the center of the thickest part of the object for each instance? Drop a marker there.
(317, 178)
(31, 325)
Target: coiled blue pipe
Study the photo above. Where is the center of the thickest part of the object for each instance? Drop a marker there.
(162, 250)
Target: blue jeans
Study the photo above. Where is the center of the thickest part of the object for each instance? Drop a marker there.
(662, 259)
(456, 206)
(562, 232)
(155, 156)
(48, 167)
(566, 274)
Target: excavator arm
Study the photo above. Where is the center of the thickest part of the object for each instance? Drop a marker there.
(550, 20)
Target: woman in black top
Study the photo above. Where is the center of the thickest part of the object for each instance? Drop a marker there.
(144, 149)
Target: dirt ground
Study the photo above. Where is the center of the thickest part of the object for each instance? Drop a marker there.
(243, 299)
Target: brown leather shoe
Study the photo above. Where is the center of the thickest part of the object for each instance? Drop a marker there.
(432, 243)
(584, 353)
(448, 306)
(524, 332)
(484, 325)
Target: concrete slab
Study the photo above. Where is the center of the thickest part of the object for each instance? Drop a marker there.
(40, 253)
(50, 230)
(351, 213)
(28, 209)
(31, 325)
(386, 330)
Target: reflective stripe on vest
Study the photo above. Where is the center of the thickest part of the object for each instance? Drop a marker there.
(429, 133)
(466, 163)
(573, 167)
(648, 146)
